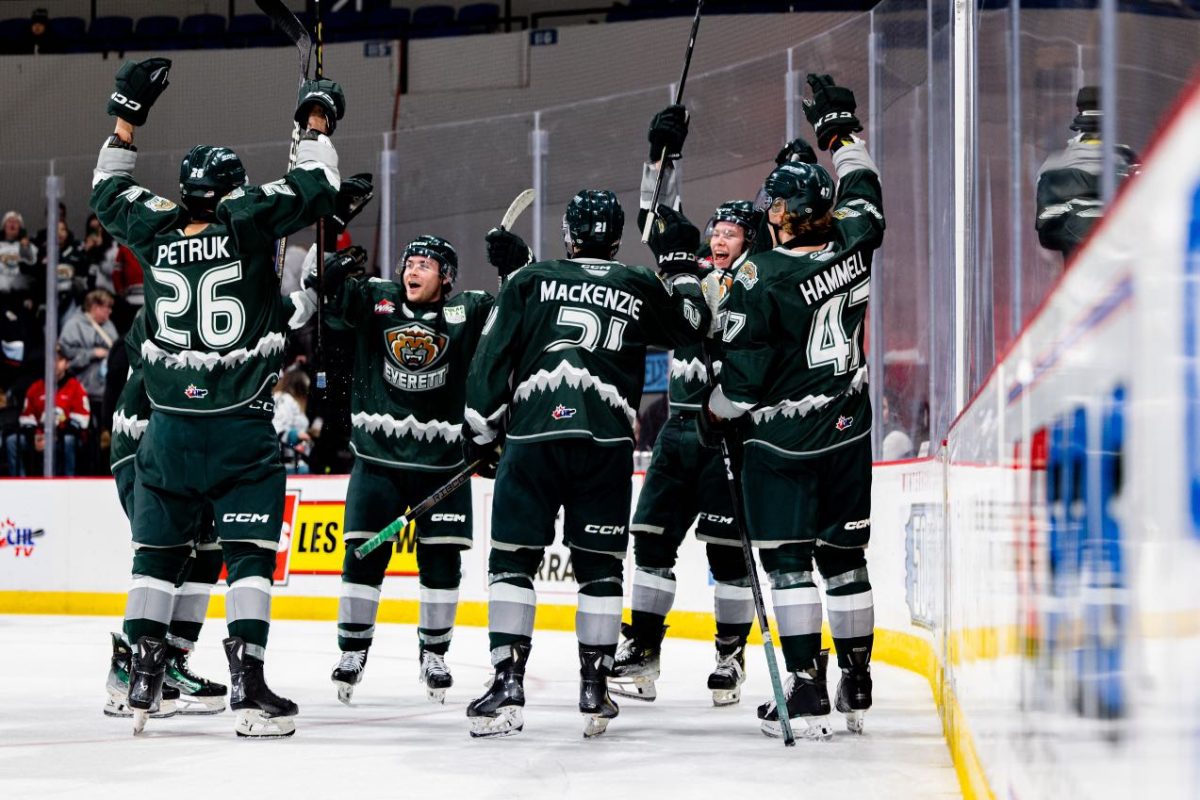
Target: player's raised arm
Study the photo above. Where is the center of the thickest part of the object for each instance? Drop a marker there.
(681, 316)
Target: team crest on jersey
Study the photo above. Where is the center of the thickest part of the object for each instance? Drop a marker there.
(843, 423)
(414, 351)
(455, 315)
(747, 275)
(562, 412)
(384, 307)
(194, 392)
(157, 203)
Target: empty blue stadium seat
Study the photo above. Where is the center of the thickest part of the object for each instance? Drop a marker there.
(203, 31)
(429, 21)
(70, 33)
(110, 33)
(156, 32)
(248, 30)
(389, 23)
(479, 17)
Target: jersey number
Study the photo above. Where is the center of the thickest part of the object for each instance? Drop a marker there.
(221, 321)
(828, 342)
(588, 328)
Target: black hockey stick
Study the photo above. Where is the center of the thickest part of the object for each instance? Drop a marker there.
(662, 160)
(401, 522)
(321, 378)
(760, 607)
(294, 30)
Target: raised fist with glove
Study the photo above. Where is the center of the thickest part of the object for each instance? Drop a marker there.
(796, 150)
(668, 130)
(674, 241)
(831, 111)
(138, 85)
(506, 251)
(352, 197)
(339, 266)
(324, 94)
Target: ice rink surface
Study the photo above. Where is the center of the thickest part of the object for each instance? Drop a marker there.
(54, 741)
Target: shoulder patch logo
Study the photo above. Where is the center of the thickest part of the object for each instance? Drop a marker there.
(562, 412)
(413, 350)
(455, 314)
(159, 204)
(385, 306)
(843, 423)
(843, 213)
(747, 275)
(194, 392)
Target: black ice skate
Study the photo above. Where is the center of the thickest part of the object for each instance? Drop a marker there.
(594, 703)
(117, 686)
(260, 712)
(730, 673)
(636, 667)
(807, 704)
(435, 676)
(854, 691)
(349, 673)
(498, 712)
(147, 667)
(197, 695)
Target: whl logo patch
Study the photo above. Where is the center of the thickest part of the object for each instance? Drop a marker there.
(562, 412)
(843, 423)
(194, 392)
(384, 307)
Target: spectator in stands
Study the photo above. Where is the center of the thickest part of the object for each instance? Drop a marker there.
(41, 39)
(71, 271)
(18, 263)
(86, 340)
(291, 422)
(127, 286)
(72, 417)
(100, 256)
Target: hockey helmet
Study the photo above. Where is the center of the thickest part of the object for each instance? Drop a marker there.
(438, 249)
(210, 172)
(739, 212)
(806, 189)
(593, 223)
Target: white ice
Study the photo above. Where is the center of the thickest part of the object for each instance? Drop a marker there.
(54, 742)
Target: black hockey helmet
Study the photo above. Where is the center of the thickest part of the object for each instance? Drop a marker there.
(209, 172)
(739, 212)
(438, 249)
(593, 223)
(807, 189)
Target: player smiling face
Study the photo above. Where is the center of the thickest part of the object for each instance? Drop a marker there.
(727, 242)
(422, 279)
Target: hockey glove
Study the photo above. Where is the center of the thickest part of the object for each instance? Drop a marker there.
(487, 454)
(324, 93)
(712, 430)
(831, 111)
(796, 150)
(353, 196)
(668, 130)
(1087, 107)
(674, 241)
(506, 251)
(339, 266)
(138, 85)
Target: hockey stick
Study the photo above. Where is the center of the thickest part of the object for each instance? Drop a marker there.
(760, 608)
(662, 159)
(320, 354)
(292, 28)
(398, 524)
(516, 208)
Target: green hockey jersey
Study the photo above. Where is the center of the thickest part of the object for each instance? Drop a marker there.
(689, 375)
(410, 372)
(564, 352)
(793, 330)
(215, 331)
(132, 413)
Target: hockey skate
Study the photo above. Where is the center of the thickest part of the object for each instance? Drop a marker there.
(636, 667)
(854, 691)
(349, 673)
(730, 673)
(147, 668)
(197, 695)
(117, 686)
(498, 712)
(260, 712)
(807, 700)
(435, 676)
(594, 702)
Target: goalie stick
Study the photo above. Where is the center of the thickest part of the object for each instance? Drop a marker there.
(401, 522)
(662, 159)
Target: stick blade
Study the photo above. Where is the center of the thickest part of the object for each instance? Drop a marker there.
(516, 208)
(292, 28)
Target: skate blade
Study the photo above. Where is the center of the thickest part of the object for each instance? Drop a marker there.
(726, 697)
(435, 695)
(345, 691)
(639, 688)
(139, 721)
(854, 721)
(508, 721)
(594, 725)
(811, 728)
(254, 724)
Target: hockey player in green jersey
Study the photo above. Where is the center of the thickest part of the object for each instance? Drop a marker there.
(414, 342)
(795, 378)
(686, 481)
(558, 377)
(213, 350)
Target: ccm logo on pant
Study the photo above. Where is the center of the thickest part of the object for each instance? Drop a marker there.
(447, 517)
(606, 530)
(857, 525)
(245, 517)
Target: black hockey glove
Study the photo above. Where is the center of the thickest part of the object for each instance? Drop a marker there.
(668, 130)
(324, 93)
(674, 241)
(339, 266)
(831, 111)
(713, 430)
(138, 85)
(353, 196)
(796, 150)
(506, 251)
(488, 455)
